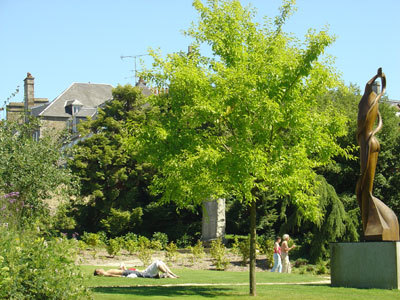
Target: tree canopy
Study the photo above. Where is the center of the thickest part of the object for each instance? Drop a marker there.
(245, 119)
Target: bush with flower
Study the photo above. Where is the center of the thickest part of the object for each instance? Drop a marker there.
(32, 267)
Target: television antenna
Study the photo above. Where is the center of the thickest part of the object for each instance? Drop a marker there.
(134, 57)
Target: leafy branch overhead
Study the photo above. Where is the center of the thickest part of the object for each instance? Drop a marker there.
(245, 118)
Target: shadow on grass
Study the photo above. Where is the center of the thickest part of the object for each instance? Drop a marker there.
(172, 291)
(260, 263)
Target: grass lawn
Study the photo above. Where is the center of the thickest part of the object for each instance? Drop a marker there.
(227, 285)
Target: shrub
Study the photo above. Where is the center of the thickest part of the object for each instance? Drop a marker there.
(218, 253)
(310, 269)
(300, 262)
(197, 252)
(171, 253)
(162, 238)
(321, 269)
(10, 209)
(156, 245)
(81, 246)
(32, 168)
(114, 246)
(116, 222)
(185, 241)
(92, 239)
(130, 242)
(235, 245)
(143, 250)
(131, 236)
(131, 246)
(244, 249)
(34, 268)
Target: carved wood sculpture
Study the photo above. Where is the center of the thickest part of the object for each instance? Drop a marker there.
(379, 222)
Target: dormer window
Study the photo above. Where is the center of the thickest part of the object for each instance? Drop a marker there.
(75, 109)
(72, 107)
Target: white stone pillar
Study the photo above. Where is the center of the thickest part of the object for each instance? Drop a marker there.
(213, 224)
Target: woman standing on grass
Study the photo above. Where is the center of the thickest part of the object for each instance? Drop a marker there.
(285, 254)
(277, 256)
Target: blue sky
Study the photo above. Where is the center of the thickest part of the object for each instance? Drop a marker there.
(61, 42)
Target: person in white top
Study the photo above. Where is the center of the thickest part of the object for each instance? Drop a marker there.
(286, 268)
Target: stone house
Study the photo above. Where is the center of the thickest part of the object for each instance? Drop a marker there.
(78, 102)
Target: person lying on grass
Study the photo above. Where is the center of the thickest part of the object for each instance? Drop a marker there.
(152, 271)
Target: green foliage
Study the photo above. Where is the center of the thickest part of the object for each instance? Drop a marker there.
(130, 242)
(119, 222)
(130, 246)
(156, 245)
(197, 252)
(10, 210)
(237, 215)
(243, 120)
(92, 239)
(61, 221)
(33, 169)
(336, 225)
(322, 269)
(114, 185)
(266, 245)
(219, 255)
(110, 176)
(81, 246)
(114, 246)
(235, 243)
(184, 241)
(144, 251)
(300, 262)
(302, 267)
(131, 236)
(171, 253)
(162, 238)
(244, 250)
(34, 268)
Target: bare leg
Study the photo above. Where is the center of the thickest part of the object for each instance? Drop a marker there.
(164, 269)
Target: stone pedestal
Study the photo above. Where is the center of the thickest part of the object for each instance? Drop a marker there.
(366, 265)
(213, 225)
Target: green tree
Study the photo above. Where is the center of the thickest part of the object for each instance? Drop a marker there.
(337, 224)
(111, 178)
(243, 121)
(114, 183)
(34, 169)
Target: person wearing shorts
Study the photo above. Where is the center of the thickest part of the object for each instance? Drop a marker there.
(152, 271)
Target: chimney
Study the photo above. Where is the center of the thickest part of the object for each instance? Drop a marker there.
(29, 94)
(376, 87)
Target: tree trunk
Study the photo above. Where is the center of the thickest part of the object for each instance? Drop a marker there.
(253, 249)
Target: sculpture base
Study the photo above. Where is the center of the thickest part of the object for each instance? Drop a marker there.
(366, 265)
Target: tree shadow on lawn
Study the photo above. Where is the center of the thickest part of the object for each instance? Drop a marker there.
(260, 263)
(170, 291)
